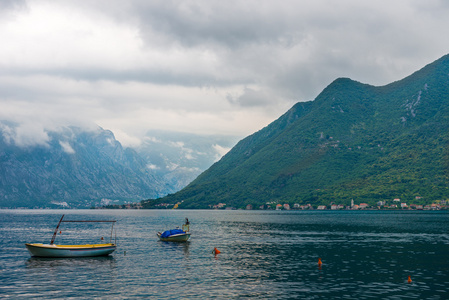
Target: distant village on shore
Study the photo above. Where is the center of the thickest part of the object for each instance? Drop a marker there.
(396, 204)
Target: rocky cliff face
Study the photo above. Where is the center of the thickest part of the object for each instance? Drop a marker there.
(73, 168)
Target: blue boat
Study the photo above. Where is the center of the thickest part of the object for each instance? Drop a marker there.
(176, 235)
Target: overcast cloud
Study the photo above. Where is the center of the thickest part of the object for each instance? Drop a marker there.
(206, 67)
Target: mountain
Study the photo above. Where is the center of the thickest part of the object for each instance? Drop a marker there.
(74, 168)
(354, 141)
(178, 158)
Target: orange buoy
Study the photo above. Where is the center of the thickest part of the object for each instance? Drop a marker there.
(319, 262)
(409, 280)
(216, 251)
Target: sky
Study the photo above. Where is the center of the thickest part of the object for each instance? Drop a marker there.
(205, 67)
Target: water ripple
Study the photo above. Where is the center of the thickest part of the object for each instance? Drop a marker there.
(263, 255)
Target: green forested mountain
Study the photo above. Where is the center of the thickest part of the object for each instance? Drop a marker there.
(354, 141)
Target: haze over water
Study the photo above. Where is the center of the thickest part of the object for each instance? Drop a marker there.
(264, 254)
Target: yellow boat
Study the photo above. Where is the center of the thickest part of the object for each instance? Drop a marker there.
(52, 250)
(86, 250)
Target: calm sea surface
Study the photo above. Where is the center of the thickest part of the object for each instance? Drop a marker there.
(264, 254)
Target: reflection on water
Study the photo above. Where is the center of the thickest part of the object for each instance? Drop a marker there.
(365, 255)
(78, 262)
(168, 247)
(55, 274)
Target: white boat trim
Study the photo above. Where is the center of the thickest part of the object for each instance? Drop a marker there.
(47, 250)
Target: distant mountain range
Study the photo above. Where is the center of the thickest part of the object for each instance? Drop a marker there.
(178, 158)
(354, 141)
(78, 168)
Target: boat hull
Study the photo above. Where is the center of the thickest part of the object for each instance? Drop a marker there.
(184, 237)
(47, 250)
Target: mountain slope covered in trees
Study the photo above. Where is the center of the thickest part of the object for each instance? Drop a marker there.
(354, 141)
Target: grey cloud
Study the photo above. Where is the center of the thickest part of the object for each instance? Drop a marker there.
(251, 98)
(10, 6)
(332, 40)
(230, 24)
(209, 60)
(251, 39)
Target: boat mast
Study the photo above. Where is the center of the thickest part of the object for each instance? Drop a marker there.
(56, 231)
(112, 229)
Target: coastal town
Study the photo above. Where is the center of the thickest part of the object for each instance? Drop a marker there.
(395, 204)
(380, 205)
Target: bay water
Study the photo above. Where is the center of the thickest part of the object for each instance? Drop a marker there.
(264, 254)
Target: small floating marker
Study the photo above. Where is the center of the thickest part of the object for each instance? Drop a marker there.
(319, 262)
(216, 251)
(124, 253)
(409, 280)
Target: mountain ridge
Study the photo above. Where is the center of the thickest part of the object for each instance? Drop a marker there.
(75, 168)
(354, 140)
